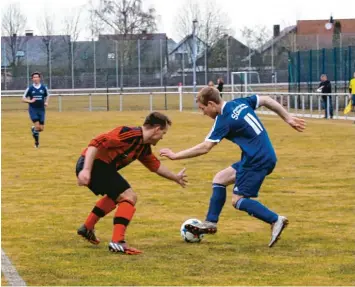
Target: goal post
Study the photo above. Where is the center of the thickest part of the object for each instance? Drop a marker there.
(240, 82)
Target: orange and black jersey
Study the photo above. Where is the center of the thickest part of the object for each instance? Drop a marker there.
(123, 145)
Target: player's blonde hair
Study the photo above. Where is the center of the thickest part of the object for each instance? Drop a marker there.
(208, 94)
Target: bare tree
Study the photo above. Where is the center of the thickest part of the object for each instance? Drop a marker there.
(213, 24)
(125, 18)
(13, 24)
(71, 33)
(47, 32)
(256, 37)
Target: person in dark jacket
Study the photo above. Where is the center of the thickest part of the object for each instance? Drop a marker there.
(325, 88)
(220, 86)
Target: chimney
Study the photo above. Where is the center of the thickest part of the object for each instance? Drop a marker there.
(276, 31)
(29, 33)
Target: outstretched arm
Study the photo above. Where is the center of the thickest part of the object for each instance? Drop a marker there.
(195, 151)
(296, 123)
(179, 178)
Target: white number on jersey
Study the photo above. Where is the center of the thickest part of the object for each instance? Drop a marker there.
(254, 123)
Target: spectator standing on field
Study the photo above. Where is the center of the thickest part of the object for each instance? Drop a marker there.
(325, 88)
(220, 86)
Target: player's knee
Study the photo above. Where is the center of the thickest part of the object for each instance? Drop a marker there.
(235, 199)
(128, 195)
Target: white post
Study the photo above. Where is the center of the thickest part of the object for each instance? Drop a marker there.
(311, 106)
(296, 104)
(288, 103)
(50, 64)
(328, 108)
(346, 103)
(183, 67)
(206, 64)
(116, 58)
(303, 105)
(319, 107)
(72, 65)
(27, 66)
(5, 64)
(161, 63)
(139, 62)
(60, 103)
(337, 106)
(90, 102)
(180, 98)
(94, 64)
(232, 83)
(151, 101)
(121, 102)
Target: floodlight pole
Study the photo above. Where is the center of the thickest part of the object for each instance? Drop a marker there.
(194, 52)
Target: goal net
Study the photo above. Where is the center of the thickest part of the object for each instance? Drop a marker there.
(241, 83)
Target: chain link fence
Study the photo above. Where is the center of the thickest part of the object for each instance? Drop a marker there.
(153, 60)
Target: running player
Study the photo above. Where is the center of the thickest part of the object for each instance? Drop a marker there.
(37, 97)
(237, 122)
(97, 169)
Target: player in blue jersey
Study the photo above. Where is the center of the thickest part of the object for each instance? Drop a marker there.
(237, 122)
(37, 97)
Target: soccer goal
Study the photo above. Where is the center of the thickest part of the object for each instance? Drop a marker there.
(241, 81)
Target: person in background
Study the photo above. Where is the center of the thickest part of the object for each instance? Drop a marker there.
(325, 88)
(352, 93)
(211, 84)
(220, 86)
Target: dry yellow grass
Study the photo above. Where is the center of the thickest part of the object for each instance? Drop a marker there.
(42, 207)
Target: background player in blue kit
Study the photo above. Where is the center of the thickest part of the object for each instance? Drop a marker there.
(237, 122)
(37, 97)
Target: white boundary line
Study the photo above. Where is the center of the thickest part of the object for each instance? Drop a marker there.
(11, 275)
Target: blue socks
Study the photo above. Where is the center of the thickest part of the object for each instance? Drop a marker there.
(256, 209)
(217, 201)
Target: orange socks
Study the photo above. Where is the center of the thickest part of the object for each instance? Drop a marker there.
(123, 215)
(104, 206)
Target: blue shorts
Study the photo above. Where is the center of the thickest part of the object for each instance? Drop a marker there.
(37, 115)
(248, 182)
(353, 100)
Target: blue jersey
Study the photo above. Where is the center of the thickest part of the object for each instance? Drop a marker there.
(239, 124)
(40, 93)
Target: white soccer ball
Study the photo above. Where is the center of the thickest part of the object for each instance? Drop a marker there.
(188, 236)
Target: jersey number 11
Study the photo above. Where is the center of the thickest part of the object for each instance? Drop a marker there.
(254, 123)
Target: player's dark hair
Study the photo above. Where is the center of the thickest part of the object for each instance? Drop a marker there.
(157, 119)
(36, 73)
(208, 94)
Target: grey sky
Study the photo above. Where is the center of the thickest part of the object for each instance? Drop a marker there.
(241, 13)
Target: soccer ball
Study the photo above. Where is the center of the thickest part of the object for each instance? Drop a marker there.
(188, 236)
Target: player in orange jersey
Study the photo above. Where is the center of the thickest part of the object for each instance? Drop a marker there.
(97, 169)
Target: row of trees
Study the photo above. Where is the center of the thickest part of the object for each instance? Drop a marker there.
(124, 17)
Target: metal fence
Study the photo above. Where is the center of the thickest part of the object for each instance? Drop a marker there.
(301, 104)
(307, 66)
(160, 62)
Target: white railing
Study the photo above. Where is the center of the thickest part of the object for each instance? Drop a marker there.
(8, 93)
(301, 104)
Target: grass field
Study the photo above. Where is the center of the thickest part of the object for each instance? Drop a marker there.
(313, 184)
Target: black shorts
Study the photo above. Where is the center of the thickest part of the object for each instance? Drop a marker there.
(104, 179)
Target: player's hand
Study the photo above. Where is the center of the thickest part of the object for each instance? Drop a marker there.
(181, 178)
(32, 101)
(84, 177)
(167, 153)
(297, 123)
(46, 104)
